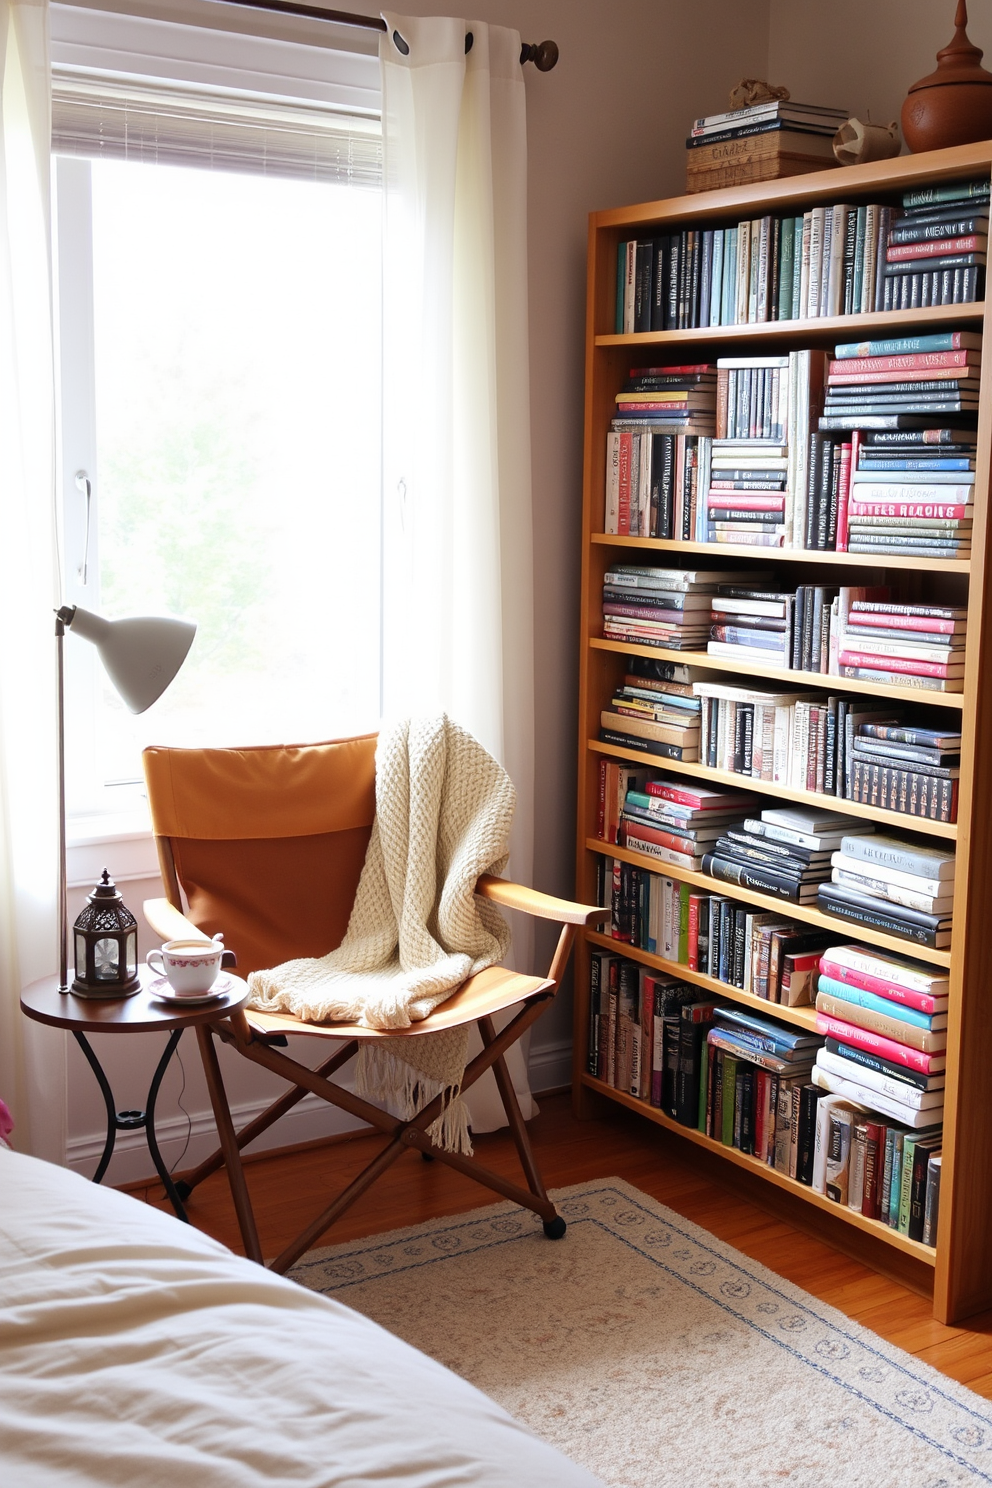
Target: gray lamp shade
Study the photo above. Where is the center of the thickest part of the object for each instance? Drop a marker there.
(141, 653)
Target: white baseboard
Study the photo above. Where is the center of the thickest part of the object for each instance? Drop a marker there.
(550, 1068)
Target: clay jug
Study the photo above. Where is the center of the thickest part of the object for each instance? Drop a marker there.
(953, 105)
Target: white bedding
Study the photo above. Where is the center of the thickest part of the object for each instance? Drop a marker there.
(135, 1351)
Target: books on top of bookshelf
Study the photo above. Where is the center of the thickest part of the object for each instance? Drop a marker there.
(841, 258)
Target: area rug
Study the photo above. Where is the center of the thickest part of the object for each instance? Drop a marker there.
(657, 1356)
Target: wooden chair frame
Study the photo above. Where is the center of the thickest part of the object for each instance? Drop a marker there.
(255, 1037)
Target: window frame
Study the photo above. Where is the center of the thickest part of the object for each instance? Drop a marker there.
(139, 49)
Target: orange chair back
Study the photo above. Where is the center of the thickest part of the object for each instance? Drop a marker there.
(267, 843)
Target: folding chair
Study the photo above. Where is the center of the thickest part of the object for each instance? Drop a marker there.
(268, 845)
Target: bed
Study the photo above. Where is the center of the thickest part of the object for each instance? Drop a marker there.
(136, 1351)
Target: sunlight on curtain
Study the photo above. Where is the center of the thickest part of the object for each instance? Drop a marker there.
(32, 1058)
(457, 535)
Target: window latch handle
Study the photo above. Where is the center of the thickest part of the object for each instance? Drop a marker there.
(84, 484)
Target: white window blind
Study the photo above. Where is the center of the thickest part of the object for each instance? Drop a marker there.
(96, 117)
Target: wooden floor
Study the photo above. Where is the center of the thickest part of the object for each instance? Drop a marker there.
(289, 1188)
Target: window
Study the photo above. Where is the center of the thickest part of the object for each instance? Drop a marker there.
(219, 294)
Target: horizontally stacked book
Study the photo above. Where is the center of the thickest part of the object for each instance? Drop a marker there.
(837, 259)
(760, 143)
(887, 883)
(918, 384)
(667, 607)
(766, 407)
(912, 770)
(937, 250)
(885, 1052)
(746, 857)
(658, 450)
(922, 645)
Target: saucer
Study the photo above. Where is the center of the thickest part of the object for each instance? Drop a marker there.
(162, 992)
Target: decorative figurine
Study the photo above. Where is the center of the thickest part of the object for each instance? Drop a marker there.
(857, 142)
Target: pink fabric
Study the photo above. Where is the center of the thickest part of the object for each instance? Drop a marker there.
(6, 1121)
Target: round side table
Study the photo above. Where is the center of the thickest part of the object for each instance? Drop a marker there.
(141, 1013)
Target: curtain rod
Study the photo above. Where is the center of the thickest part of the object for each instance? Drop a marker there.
(543, 54)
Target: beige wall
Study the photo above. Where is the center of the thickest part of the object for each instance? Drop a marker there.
(863, 54)
(605, 128)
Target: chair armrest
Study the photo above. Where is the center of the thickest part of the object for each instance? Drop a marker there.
(533, 902)
(169, 923)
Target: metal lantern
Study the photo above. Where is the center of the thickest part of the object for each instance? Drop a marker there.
(106, 941)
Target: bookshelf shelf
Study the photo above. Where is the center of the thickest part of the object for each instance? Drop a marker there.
(800, 1017)
(795, 911)
(780, 792)
(787, 555)
(814, 680)
(874, 1227)
(825, 330)
(957, 1268)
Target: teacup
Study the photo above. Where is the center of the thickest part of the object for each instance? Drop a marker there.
(189, 966)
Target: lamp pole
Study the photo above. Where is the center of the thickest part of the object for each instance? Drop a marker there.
(63, 910)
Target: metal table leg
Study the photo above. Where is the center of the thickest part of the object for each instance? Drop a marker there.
(135, 1120)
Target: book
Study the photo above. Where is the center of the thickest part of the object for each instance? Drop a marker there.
(879, 914)
(875, 1043)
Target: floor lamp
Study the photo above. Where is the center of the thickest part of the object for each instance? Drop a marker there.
(141, 655)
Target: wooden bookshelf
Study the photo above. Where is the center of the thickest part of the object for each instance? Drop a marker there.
(957, 1269)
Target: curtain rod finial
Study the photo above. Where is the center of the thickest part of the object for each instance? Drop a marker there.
(543, 54)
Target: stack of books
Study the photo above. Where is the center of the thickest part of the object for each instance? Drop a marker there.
(937, 249)
(903, 888)
(885, 1020)
(757, 1094)
(750, 623)
(677, 821)
(879, 388)
(653, 466)
(810, 633)
(867, 992)
(665, 607)
(831, 260)
(920, 645)
(781, 868)
(911, 492)
(766, 408)
(760, 143)
(655, 718)
(746, 499)
(907, 768)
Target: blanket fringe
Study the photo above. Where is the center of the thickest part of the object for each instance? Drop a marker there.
(381, 1076)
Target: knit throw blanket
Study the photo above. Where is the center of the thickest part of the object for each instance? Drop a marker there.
(443, 809)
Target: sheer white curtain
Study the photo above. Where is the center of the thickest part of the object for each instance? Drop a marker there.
(32, 1058)
(458, 566)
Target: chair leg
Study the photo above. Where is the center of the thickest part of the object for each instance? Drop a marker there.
(554, 1228)
(344, 1200)
(228, 1143)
